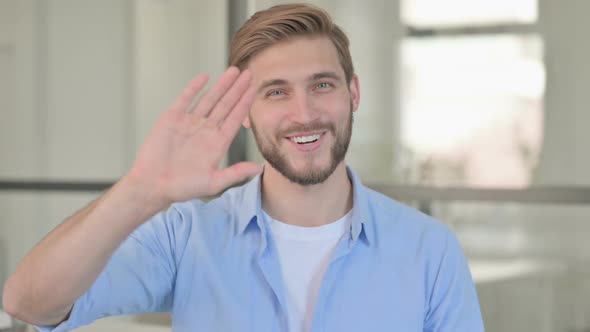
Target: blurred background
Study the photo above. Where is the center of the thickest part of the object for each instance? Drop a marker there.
(474, 111)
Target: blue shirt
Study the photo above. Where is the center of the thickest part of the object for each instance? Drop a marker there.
(215, 267)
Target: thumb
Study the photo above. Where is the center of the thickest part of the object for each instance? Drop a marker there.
(234, 174)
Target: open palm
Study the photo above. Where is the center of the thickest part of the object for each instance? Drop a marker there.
(180, 158)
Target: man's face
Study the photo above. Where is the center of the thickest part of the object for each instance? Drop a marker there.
(302, 115)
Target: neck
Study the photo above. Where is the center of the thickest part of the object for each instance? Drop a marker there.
(306, 206)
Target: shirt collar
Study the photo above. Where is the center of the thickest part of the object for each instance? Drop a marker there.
(249, 207)
(249, 203)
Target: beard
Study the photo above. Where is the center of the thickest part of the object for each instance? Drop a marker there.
(310, 175)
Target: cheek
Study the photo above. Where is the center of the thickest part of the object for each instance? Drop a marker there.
(268, 116)
(264, 126)
(334, 102)
(340, 112)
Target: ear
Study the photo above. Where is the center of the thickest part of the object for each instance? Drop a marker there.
(246, 123)
(355, 92)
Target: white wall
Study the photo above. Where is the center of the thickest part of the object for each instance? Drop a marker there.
(81, 83)
(174, 41)
(566, 156)
(20, 126)
(87, 85)
(565, 161)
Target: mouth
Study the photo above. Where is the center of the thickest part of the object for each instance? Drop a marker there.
(306, 142)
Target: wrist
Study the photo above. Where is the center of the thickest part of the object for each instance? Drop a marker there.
(145, 193)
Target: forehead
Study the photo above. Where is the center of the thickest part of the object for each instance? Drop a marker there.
(297, 58)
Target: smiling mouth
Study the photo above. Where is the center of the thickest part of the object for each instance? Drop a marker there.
(306, 139)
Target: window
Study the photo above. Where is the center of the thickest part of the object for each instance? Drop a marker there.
(436, 13)
(472, 103)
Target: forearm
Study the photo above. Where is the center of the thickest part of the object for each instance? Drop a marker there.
(179, 159)
(69, 259)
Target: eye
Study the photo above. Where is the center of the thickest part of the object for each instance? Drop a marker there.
(323, 85)
(274, 93)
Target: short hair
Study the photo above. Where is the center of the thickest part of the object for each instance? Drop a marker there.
(282, 22)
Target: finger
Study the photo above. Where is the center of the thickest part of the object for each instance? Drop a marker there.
(234, 119)
(211, 97)
(229, 100)
(234, 174)
(187, 96)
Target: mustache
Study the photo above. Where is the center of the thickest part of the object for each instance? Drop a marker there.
(312, 126)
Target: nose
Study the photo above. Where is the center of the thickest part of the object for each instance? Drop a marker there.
(303, 109)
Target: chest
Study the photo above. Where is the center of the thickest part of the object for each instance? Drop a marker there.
(240, 288)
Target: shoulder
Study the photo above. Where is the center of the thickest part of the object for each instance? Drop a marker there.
(391, 215)
(407, 229)
(414, 239)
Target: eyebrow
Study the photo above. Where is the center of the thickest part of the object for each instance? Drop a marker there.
(314, 77)
(268, 83)
(325, 74)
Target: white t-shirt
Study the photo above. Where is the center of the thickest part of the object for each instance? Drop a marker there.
(305, 253)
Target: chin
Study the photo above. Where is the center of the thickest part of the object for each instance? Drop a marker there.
(311, 166)
(309, 174)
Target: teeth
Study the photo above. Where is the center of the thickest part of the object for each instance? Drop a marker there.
(305, 139)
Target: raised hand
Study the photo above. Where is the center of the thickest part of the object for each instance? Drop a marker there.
(180, 158)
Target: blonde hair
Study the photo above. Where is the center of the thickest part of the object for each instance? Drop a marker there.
(280, 23)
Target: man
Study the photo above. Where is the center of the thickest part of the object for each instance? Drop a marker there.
(304, 246)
